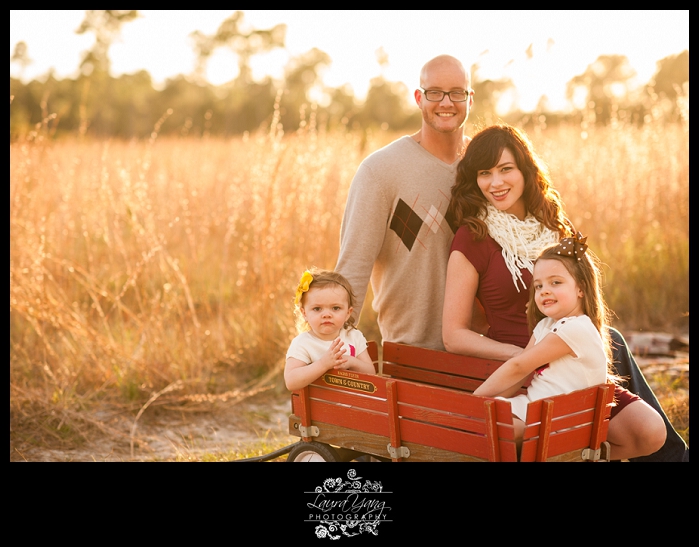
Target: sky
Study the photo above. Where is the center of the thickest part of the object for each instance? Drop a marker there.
(539, 50)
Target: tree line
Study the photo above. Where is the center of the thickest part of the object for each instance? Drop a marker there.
(130, 106)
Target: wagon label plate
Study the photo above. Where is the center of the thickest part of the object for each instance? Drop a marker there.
(349, 382)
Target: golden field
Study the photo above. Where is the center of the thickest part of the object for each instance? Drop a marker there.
(164, 270)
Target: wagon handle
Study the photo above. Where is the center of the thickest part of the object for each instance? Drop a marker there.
(270, 456)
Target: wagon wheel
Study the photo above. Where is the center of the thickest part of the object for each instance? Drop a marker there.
(313, 452)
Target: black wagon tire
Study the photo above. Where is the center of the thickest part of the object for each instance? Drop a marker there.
(313, 452)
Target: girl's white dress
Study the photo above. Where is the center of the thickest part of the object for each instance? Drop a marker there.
(309, 348)
(567, 373)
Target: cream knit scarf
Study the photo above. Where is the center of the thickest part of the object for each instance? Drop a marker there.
(521, 240)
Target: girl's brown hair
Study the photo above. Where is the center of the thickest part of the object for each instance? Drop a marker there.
(468, 204)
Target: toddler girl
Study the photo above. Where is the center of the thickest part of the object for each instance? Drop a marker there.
(327, 337)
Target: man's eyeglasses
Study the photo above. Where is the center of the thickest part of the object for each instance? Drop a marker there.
(436, 95)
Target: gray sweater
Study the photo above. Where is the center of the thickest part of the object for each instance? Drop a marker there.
(394, 233)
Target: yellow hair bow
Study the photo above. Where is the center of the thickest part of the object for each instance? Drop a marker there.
(304, 283)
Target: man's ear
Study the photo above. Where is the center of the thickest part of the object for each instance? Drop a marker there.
(418, 96)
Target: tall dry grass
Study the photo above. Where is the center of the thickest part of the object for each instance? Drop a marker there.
(166, 269)
(627, 189)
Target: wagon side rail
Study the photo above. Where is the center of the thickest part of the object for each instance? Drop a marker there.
(398, 419)
(570, 427)
(421, 409)
(438, 367)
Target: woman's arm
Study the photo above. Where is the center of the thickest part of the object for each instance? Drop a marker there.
(458, 325)
(515, 370)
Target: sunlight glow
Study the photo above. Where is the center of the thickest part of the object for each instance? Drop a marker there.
(539, 50)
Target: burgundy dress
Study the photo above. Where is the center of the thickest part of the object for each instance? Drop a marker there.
(505, 307)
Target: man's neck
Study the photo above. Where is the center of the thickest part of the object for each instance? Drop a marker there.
(447, 147)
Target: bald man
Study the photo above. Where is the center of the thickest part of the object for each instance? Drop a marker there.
(393, 231)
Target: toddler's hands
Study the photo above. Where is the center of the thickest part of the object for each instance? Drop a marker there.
(335, 357)
(346, 361)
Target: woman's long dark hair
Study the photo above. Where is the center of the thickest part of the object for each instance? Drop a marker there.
(468, 204)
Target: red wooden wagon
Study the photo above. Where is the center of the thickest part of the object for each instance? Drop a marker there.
(420, 407)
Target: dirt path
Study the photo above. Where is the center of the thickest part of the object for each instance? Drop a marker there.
(177, 435)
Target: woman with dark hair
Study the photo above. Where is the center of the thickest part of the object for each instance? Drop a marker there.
(507, 211)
